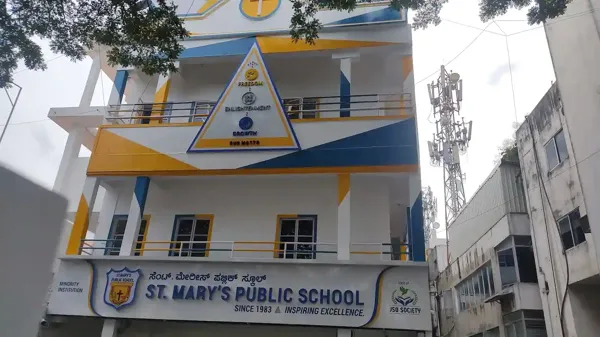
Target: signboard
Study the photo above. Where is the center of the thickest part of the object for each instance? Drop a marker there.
(365, 296)
(248, 115)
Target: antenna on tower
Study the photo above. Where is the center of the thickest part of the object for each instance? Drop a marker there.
(450, 140)
(429, 213)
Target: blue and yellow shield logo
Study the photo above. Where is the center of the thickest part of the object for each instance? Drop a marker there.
(120, 287)
(259, 9)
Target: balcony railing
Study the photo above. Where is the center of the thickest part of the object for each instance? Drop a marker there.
(247, 249)
(297, 108)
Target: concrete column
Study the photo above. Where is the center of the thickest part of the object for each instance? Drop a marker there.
(82, 217)
(161, 96)
(134, 218)
(345, 86)
(344, 333)
(90, 85)
(343, 235)
(105, 218)
(71, 152)
(109, 328)
(346, 60)
(118, 89)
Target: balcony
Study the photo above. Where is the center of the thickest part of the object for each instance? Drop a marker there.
(263, 250)
(297, 108)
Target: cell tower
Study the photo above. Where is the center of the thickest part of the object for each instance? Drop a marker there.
(450, 140)
(429, 213)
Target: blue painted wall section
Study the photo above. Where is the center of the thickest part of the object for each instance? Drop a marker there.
(408, 237)
(344, 95)
(416, 230)
(120, 83)
(141, 191)
(227, 48)
(386, 14)
(395, 144)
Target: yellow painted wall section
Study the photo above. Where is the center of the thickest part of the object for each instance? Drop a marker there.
(403, 253)
(273, 44)
(119, 155)
(161, 96)
(80, 227)
(343, 186)
(407, 68)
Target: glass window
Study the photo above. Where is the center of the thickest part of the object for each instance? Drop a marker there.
(192, 236)
(485, 292)
(308, 105)
(556, 150)
(551, 154)
(527, 268)
(486, 282)
(565, 232)
(573, 228)
(561, 146)
(115, 236)
(139, 245)
(491, 279)
(297, 237)
(506, 260)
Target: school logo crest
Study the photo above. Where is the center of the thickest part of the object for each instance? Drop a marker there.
(404, 297)
(121, 286)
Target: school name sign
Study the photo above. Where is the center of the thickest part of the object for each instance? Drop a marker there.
(366, 296)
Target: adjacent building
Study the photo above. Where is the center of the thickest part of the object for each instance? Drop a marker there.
(559, 153)
(562, 229)
(490, 288)
(266, 188)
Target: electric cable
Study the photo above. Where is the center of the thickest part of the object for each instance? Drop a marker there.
(543, 187)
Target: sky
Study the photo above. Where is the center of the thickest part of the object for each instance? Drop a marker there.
(33, 144)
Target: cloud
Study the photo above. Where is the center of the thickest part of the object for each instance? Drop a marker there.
(500, 71)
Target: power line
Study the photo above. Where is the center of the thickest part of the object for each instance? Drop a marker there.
(457, 55)
(484, 30)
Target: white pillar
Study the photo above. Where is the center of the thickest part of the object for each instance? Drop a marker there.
(134, 218)
(70, 153)
(346, 60)
(105, 218)
(90, 85)
(343, 235)
(109, 328)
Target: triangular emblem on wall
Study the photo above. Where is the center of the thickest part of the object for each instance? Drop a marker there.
(249, 115)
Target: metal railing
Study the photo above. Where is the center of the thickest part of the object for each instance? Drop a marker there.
(251, 249)
(296, 108)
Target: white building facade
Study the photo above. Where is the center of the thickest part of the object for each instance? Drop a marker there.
(267, 187)
(490, 287)
(559, 146)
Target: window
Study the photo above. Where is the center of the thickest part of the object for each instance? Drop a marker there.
(167, 111)
(146, 112)
(475, 288)
(556, 150)
(526, 261)
(117, 230)
(141, 237)
(573, 228)
(296, 237)
(523, 324)
(309, 106)
(192, 235)
(508, 272)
